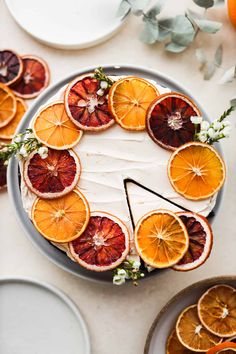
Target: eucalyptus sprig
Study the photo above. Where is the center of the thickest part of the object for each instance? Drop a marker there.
(129, 269)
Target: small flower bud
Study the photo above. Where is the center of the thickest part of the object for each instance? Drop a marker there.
(196, 119)
(100, 92)
(122, 273)
(43, 152)
(205, 125)
(17, 139)
(23, 152)
(212, 133)
(202, 137)
(217, 125)
(117, 280)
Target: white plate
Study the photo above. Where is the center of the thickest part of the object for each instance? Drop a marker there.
(67, 24)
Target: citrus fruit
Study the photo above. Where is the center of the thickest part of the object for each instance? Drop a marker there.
(161, 238)
(232, 11)
(191, 332)
(129, 99)
(174, 346)
(168, 120)
(200, 241)
(53, 127)
(8, 132)
(54, 176)
(196, 171)
(7, 105)
(34, 79)
(3, 174)
(103, 245)
(11, 67)
(231, 339)
(223, 348)
(63, 219)
(87, 109)
(217, 310)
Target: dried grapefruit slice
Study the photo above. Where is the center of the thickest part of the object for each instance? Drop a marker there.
(200, 241)
(223, 348)
(129, 99)
(87, 109)
(217, 310)
(63, 219)
(54, 176)
(35, 77)
(191, 332)
(8, 132)
(103, 245)
(11, 67)
(174, 346)
(161, 238)
(7, 105)
(3, 174)
(53, 127)
(196, 171)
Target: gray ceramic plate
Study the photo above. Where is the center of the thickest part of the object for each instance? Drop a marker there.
(38, 318)
(166, 319)
(42, 244)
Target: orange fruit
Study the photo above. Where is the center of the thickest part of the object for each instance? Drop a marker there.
(8, 132)
(223, 348)
(128, 101)
(7, 105)
(62, 219)
(231, 5)
(174, 346)
(191, 332)
(217, 310)
(11, 67)
(196, 171)
(161, 238)
(53, 127)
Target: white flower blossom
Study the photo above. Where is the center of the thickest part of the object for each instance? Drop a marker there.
(5, 149)
(17, 139)
(118, 280)
(196, 119)
(212, 133)
(226, 131)
(205, 125)
(226, 124)
(6, 163)
(203, 136)
(43, 152)
(100, 92)
(23, 152)
(29, 136)
(103, 85)
(122, 273)
(217, 125)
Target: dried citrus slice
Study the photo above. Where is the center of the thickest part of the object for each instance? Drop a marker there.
(63, 219)
(103, 245)
(191, 332)
(223, 348)
(34, 79)
(7, 105)
(161, 238)
(232, 11)
(200, 241)
(3, 174)
(231, 339)
(217, 310)
(54, 176)
(53, 127)
(196, 171)
(87, 109)
(129, 99)
(8, 132)
(174, 346)
(11, 67)
(168, 120)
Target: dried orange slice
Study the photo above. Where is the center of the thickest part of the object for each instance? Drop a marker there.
(223, 348)
(129, 99)
(196, 171)
(11, 67)
(217, 310)
(7, 105)
(161, 238)
(174, 346)
(191, 332)
(232, 11)
(53, 127)
(63, 219)
(8, 132)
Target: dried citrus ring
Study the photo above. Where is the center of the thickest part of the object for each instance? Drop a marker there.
(53, 127)
(11, 67)
(217, 310)
(223, 348)
(129, 99)
(191, 332)
(3, 174)
(63, 219)
(196, 171)
(168, 120)
(7, 105)
(174, 346)
(103, 245)
(54, 176)
(86, 108)
(8, 132)
(161, 238)
(34, 79)
(200, 241)
(231, 339)
(232, 11)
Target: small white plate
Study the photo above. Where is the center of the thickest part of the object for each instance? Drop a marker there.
(67, 24)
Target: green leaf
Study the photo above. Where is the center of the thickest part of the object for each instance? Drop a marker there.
(183, 31)
(138, 6)
(201, 57)
(150, 32)
(193, 14)
(204, 3)
(219, 55)
(208, 26)
(165, 28)
(156, 9)
(233, 101)
(218, 3)
(175, 47)
(209, 70)
(229, 75)
(123, 9)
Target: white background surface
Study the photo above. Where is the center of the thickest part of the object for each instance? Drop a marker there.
(119, 317)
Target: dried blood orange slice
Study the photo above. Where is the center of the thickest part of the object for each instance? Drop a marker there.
(191, 332)
(34, 79)
(54, 176)
(7, 105)
(53, 127)
(168, 120)
(223, 348)
(129, 99)
(200, 241)
(3, 174)
(8, 132)
(103, 245)
(87, 109)
(196, 171)
(217, 310)
(161, 238)
(11, 67)
(63, 219)
(174, 346)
